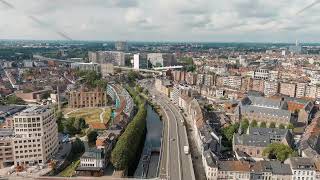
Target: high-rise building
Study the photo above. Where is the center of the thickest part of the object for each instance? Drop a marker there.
(116, 58)
(86, 66)
(162, 59)
(121, 46)
(140, 61)
(36, 135)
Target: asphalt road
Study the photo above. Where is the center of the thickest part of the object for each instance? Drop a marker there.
(178, 164)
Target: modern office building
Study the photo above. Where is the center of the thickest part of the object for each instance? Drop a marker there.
(36, 135)
(140, 61)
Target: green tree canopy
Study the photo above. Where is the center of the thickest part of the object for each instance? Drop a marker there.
(92, 136)
(278, 151)
(272, 125)
(282, 126)
(263, 125)
(244, 125)
(290, 126)
(254, 123)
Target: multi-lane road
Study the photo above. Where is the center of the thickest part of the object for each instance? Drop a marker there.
(175, 164)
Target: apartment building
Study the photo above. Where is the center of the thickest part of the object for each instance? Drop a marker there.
(288, 89)
(36, 135)
(258, 85)
(301, 90)
(302, 168)
(87, 98)
(208, 80)
(200, 79)
(6, 152)
(116, 58)
(86, 66)
(191, 78)
(271, 88)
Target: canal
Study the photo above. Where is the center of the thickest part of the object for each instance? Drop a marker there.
(150, 156)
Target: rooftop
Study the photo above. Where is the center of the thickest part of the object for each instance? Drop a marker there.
(34, 110)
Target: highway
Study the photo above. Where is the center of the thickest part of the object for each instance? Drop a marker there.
(175, 164)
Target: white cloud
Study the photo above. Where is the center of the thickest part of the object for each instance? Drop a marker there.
(194, 20)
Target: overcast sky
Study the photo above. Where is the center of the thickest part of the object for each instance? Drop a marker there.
(163, 20)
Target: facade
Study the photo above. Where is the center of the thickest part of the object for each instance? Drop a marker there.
(86, 66)
(6, 147)
(261, 74)
(288, 89)
(301, 90)
(116, 58)
(302, 168)
(83, 98)
(36, 136)
(107, 69)
(271, 88)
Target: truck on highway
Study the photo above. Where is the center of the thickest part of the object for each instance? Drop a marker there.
(186, 149)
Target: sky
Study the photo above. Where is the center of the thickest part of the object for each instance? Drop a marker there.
(162, 20)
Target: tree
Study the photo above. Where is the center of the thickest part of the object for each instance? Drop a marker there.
(263, 125)
(79, 124)
(230, 130)
(278, 151)
(77, 146)
(281, 126)
(254, 123)
(69, 126)
(272, 125)
(92, 136)
(290, 126)
(244, 125)
(126, 150)
(13, 99)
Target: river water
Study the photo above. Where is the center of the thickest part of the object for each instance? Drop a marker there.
(152, 145)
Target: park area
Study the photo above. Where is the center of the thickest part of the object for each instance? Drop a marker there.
(90, 115)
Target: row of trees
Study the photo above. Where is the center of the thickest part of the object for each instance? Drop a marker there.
(245, 124)
(126, 151)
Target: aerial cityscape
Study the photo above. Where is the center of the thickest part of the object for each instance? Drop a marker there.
(168, 90)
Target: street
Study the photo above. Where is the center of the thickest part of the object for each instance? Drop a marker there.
(178, 164)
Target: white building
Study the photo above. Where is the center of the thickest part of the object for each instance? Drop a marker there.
(302, 168)
(261, 74)
(93, 158)
(140, 61)
(36, 135)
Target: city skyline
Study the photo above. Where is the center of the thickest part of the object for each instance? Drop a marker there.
(133, 20)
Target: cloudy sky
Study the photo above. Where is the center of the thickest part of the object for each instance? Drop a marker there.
(162, 20)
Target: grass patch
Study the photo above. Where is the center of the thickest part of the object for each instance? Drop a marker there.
(70, 170)
(89, 114)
